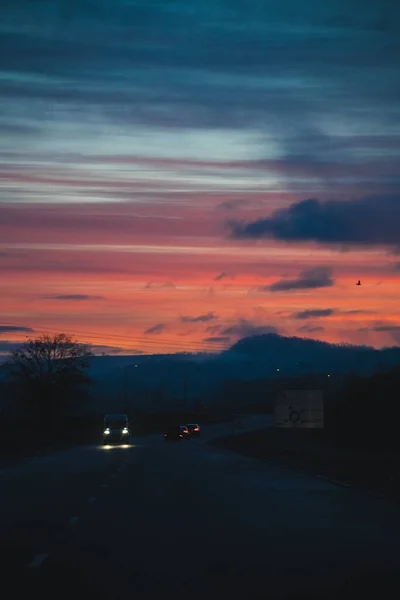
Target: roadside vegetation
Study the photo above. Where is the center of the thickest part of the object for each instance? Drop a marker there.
(359, 444)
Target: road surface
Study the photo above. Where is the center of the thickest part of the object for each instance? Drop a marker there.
(153, 519)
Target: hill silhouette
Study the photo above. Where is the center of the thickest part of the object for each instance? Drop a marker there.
(254, 357)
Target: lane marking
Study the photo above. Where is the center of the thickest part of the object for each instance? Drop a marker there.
(92, 499)
(73, 520)
(342, 483)
(37, 561)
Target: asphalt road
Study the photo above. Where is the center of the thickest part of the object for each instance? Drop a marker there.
(155, 519)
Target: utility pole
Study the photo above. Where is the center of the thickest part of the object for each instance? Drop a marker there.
(128, 395)
(125, 389)
(185, 392)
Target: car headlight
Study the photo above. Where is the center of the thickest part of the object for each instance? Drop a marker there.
(125, 430)
(106, 431)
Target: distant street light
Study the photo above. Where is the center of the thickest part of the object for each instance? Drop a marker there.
(126, 382)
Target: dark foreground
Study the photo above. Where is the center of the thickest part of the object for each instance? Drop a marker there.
(375, 471)
(156, 520)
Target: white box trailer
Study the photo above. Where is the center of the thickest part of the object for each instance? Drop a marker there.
(300, 409)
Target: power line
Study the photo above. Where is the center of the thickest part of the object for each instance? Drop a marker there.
(143, 341)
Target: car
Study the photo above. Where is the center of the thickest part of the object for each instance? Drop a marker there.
(116, 429)
(185, 432)
(176, 433)
(194, 429)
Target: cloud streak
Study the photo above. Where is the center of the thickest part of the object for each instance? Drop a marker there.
(311, 329)
(155, 329)
(15, 329)
(244, 328)
(219, 339)
(223, 275)
(200, 318)
(74, 297)
(313, 313)
(313, 278)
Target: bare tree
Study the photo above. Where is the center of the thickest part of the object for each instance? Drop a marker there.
(49, 370)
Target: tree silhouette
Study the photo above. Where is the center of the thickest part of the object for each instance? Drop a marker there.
(48, 371)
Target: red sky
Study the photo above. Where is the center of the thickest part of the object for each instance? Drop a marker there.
(153, 173)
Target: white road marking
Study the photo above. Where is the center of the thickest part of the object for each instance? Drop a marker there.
(37, 561)
(73, 520)
(92, 499)
(341, 483)
(40, 459)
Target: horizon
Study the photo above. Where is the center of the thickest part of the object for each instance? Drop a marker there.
(99, 352)
(180, 177)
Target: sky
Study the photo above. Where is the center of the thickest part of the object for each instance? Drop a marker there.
(178, 174)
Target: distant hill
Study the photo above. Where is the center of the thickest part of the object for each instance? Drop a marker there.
(254, 357)
(291, 354)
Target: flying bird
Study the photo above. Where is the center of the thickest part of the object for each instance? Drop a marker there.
(358, 282)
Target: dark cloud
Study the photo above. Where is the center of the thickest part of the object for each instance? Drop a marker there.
(388, 328)
(313, 278)
(311, 329)
(357, 311)
(223, 275)
(368, 221)
(244, 328)
(159, 328)
(200, 65)
(231, 204)
(75, 297)
(99, 349)
(217, 339)
(392, 329)
(213, 328)
(15, 329)
(200, 318)
(151, 285)
(314, 313)
(384, 18)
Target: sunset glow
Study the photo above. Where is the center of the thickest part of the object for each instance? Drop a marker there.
(130, 158)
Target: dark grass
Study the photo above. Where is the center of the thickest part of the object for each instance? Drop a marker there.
(371, 469)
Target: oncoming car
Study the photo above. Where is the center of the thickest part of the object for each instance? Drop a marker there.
(116, 429)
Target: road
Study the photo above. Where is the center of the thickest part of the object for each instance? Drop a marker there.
(153, 518)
